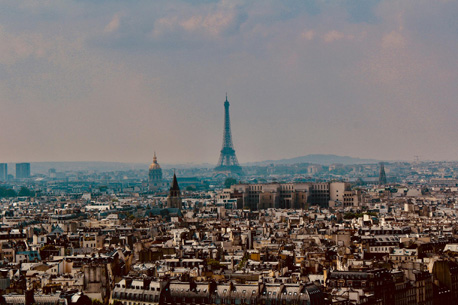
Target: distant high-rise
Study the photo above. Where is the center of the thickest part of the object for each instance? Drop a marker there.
(174, 198)
(3, 171)
(228, 161)
(22, 170)
(52, 173)
(382, 176)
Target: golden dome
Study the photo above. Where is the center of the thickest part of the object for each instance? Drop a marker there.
(154, 165)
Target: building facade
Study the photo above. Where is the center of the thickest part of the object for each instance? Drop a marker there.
(22, 170)
(151, 292)
(3, 171)
(290, 195)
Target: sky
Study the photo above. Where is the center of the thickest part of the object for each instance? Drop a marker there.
(117, 80)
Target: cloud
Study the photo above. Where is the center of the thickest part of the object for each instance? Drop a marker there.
(16, 47)
(333, 36)
(309, 34)
(113, 25)
(110, 75)
(217, 21)
(393, 40)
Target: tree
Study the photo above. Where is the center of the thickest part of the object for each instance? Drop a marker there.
(213, 263)
(229, 182)
(96, 302)
(26, 192)
(243, 262)
(4, 192)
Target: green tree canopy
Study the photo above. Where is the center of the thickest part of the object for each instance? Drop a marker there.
(229, 182)
(96, 302)
(4, 192)
(26, 192)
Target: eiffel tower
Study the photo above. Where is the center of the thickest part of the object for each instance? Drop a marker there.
(228, 161)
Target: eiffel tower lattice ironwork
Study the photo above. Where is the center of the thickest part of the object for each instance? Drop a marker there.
(228, 160)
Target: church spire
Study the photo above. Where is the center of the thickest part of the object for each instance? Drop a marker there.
(175, 186)
(174, 198)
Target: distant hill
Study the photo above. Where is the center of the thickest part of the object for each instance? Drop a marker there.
(100, 166)
(97, 166)
(318, 159)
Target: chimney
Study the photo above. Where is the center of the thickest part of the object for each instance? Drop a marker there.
(29, 299)
(325, 276)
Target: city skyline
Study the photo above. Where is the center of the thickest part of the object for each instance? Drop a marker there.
(99, 81)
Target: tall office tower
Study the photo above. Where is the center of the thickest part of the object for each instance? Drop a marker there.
(174, 198)
(3, 171)
(382, 176)
(228, 163)
(22, 170)
(52, 173)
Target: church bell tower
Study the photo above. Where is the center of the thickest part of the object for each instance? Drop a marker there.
(174, 198)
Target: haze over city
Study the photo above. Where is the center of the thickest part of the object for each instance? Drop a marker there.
(116, 81)
(185, 152)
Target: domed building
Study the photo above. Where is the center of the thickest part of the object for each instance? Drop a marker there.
(155, 176)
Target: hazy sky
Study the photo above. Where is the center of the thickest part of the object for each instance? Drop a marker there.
(117, 80)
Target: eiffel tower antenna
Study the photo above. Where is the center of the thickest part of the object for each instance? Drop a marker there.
(228, 160)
